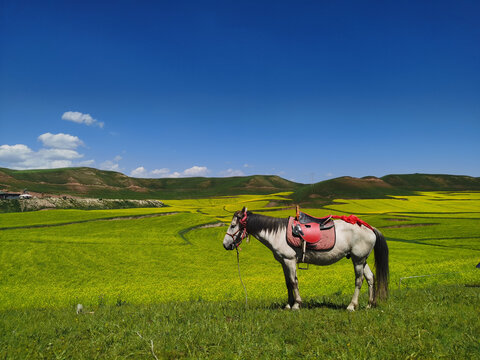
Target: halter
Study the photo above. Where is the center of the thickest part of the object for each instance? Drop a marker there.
(243, 229)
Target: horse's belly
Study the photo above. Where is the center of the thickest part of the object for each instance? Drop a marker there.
(323, 257)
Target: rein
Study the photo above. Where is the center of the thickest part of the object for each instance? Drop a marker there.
(237, 237)
(240, 276)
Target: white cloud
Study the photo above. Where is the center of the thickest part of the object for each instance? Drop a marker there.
(52, 164)
(14, 153)
(60, 141)
(88, 163)
(164, 172)
(232, 172)
(58, 151)
(167, 173)
(22, 157)
(139, 172)
(81, 118)
(196, 171)
(112, 165)
(58, 154)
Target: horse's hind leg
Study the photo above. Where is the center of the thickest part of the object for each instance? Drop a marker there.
(358, 266)
(290, 272)
(370, 280)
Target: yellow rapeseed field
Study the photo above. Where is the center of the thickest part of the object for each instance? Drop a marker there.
(163, 255)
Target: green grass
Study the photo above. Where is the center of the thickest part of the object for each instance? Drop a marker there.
(440, 322)
(175, 284)
(56, 217)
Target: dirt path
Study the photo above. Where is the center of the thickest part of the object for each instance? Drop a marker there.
(182, 232)
(130, 217)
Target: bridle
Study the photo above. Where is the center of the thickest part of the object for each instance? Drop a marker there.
(241, 233)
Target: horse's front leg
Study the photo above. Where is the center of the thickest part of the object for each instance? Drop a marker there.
(290, 272)
(289, 284)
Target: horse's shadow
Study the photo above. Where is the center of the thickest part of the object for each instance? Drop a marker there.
(313, 304)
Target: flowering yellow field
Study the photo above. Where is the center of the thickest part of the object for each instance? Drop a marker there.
(164, 255)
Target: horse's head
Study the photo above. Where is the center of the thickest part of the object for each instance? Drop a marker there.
(237, 230)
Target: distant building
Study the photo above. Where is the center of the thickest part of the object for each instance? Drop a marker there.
(9, 196)
(13, 196)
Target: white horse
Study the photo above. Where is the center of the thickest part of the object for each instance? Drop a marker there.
(352, 240)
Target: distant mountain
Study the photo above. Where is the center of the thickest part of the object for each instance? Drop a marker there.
(429, 182)
(94, 183)
(90, 182)
(347, 187)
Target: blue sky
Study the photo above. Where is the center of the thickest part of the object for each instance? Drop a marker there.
(307, 90)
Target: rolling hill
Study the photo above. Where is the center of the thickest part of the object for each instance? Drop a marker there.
(90, 182)
(369, 187)
(94, 183)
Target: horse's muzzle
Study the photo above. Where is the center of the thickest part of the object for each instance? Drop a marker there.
(229, 246)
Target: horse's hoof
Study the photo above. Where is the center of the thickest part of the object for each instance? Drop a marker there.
(287, 307)
(296, 306)
(351, 308)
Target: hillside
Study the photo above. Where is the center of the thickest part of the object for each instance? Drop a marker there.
(347, 187)
(89, 182)
(94, 183)
(430, 182)
(50, 203)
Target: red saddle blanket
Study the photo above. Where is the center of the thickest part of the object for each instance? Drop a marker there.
(316, 239)
(352, 219)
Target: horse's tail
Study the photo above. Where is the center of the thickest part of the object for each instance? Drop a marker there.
(381, 266)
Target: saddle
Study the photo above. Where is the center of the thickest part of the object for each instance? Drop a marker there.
(309, 227)
(309, 232)
(323, 222)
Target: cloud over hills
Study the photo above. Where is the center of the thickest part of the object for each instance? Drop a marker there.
(166, 173)
(58, 151)
(60, 141)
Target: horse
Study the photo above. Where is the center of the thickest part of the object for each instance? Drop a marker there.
(352, 240)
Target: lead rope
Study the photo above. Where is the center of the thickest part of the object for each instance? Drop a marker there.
(240, 276)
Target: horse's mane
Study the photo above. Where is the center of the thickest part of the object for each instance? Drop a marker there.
(257, 223)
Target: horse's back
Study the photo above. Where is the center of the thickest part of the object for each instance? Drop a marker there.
(358, 238)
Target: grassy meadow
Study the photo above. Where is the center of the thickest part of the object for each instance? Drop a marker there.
(158, 283)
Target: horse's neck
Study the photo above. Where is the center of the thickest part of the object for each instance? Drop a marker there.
(268, 234)
(270, 239)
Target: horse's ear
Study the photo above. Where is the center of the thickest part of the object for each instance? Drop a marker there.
(244, 210)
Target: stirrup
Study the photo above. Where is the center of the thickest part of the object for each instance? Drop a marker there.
(304, 249)
(302, 268)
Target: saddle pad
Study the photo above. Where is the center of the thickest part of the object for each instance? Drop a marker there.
(325, 242)
(352, 219)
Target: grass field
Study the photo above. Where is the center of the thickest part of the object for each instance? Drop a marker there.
(159, 275)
